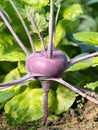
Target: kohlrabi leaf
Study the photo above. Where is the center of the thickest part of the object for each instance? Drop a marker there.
(39, 3)
(28, 106)
(65, 99)
(22, 67)
(60, 32)
(91, 62)
(38, 21)
(6, 94)
(89, 38)
(72, 12)
(12, 75)
(9, 49)
(62, 27)
(76, 78)
(92, 86)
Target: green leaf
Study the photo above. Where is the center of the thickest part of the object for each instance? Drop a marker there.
(39, 21)
(9, 49)
(81, 65)
(6, 94)
(12, 75)
(65, 99)
(91, 62)
(72, 12)
(22, 67)
(89, 38)
(92, 85)
(39, 3)
(90, 2)
(28, 106)
(60, 32)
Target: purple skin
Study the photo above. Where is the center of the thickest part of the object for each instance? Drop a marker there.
(45, 66)
(39, 63)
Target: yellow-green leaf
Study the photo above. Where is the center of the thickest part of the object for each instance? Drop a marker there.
(89, 38)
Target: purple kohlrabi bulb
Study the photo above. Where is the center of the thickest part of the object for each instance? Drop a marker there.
(39, 63)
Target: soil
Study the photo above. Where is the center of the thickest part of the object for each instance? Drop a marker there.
(85, 118)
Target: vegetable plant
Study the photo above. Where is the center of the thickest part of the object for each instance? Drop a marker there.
(49, 64)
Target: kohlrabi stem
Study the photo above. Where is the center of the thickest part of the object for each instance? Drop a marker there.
(71, 62)
(35, 26)
(13, 33)
(57, 14)
(50, 45)
(46, 86)
(74, 89)
(24, 25)
(18, 81)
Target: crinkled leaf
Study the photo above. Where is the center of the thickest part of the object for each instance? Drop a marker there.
(89, 38)
(72, 12)
(40, 3)
(12, 75)
(38, 20)
(28, 106)
(65, 99)
(9, 49)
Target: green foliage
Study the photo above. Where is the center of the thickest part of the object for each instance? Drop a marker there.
(23, 102)
(92, 85)
(13, 90)
(28, 106)
(14, 53)
(39, 21)
(84, 64)
(89, 38)
(68, 22)
(72, 12)
(65, 98)
(37, 2)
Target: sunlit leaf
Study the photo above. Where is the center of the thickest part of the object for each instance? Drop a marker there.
(92, 85)
(39, 23)
(65, 99)
(72, 12)
(6, 94)
(9, 49)
(60, 32)
(37, 2)
(28, 106)
(89, 38)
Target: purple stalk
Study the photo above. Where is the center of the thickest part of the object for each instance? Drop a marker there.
(50, 45)
(13, 33)
(71, 62)
(18, 81)
(46, 86)
(34, 24)
(24, 25)
(74, 89)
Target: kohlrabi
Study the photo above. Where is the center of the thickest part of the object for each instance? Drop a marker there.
(45, 66)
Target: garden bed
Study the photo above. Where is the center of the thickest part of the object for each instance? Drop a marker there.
(85, 118)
